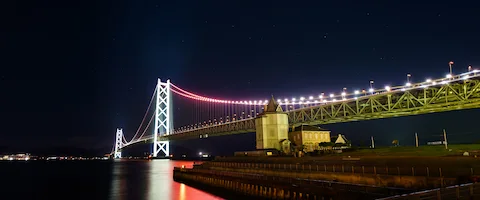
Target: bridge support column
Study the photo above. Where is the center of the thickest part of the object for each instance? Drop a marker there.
(163, 146)
(118, 144)
(163, 118)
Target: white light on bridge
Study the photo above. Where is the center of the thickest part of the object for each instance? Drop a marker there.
(448, 76)
(286, 100)
(408, 84)
(387, 88)
(302, 98)
(343, 93)
(428, 80)
(466, 77)
(332, 95)
(293, 99)
(357, 92)
(370, 90)
(444, 82)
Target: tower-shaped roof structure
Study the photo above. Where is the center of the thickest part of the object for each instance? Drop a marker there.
(273, 106)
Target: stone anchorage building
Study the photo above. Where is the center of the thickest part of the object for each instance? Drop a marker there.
(273, 137)
(309, 137)
(272, 128)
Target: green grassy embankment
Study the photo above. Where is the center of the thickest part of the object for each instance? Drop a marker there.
(410, 151)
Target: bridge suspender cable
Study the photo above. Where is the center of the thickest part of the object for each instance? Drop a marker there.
(145, 130)
(144, 116)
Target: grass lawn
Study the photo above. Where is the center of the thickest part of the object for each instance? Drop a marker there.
(432, 150)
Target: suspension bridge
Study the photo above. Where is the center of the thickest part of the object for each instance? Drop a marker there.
(203, 117)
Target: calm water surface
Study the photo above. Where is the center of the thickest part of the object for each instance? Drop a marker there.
(114, 180)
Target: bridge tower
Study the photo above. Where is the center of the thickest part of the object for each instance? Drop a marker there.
(271, 126)
(118, 144)
(163, 118)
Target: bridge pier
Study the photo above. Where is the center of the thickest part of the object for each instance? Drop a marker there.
(161, 146)
(118, 144)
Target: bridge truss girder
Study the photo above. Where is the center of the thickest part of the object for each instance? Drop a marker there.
(241, 126)
(447, 97)
(439, 98)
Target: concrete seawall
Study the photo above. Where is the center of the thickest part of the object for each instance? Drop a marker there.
(274, 187)
(409, 182)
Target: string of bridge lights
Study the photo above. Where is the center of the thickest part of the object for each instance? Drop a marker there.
(332, 97)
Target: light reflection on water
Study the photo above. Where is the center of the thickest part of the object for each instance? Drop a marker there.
(151, 180)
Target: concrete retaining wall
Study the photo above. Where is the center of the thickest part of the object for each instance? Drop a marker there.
(409, 182)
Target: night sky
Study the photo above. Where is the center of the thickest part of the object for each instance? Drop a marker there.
(73, 71)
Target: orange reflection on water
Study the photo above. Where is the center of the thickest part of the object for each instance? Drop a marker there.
(161, 180)
(181, 194)
(151, 180)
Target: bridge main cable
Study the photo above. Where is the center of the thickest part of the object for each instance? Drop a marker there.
(144, 116)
